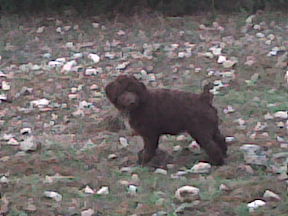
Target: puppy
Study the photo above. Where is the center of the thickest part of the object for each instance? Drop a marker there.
(153, 112)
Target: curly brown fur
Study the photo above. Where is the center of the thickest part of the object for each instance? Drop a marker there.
(153, 112)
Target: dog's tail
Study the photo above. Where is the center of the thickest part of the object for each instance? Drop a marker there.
(206, 94)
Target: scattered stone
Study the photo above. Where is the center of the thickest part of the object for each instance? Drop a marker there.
(122, 66)
(268, 116)
(93, 71)
(260, 126)
(181, 137)
(53, 195)
(41, 103)
(68, 67)
(112, 156)
(254, 154)
(126, 169)
(201, 168)
(221, 59)
(187, 193)
(281, 114)
(88, 212)
(5, 86)
(230, 139)
(161, 171)
(224, 187)
(269, 195)
(13, 141)
(177, 148)
(103, 191)
(88, 190)
(124, 142)
(255, 204)
(229, 63)
(4, 180)
(194, 147)
(250, 19)
(26, 131)
(29, 144)
(95, 25)
(132, 189)
(77, 55)
(228, 109)
(260, 35)
(94, 57)
(40, 30)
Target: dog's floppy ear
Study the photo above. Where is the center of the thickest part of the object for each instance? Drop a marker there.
(111, 93)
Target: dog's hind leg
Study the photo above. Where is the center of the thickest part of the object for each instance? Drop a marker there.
(206, 141)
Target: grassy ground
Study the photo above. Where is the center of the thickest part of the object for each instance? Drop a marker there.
(74, 148)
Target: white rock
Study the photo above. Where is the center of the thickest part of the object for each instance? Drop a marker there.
(68, 67)
(271, 36)
(28, 144)
(126, 169)
(122, 66)
(181, 137)
(268, 42)
(77, 55)
(62, 60)
(95, 25)
(40, 29)
(224, 187)
(216, 50)
(209, 55)
(4, 179)
(103, 191)
(250, 19)
(53, 195)
(55, 64)
(257, 27)
(286, 77)
(123, 141)
(40, 103)
(271, 195)
(88, 190)
(59, 29)
(7, 137)
(161, 171)
(69, 45)
(5, 86)
(187, 193)
(26, 131)
(260, 126)
(281, 114)
(112, 156)
(93, 71)
(230, 139)
(3, 97)
(177, 148)
(268, 116)
(255, 204)
(121, 33)
(260, 35)
(194, 147)
(201, 168)
(228, 109)
(94, 57)
(132, 189)
(229, 63)
(221, 59)
(13, 141)
(88, 212)
(254, 154)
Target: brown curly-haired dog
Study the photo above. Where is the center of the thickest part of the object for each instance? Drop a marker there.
(153, 112)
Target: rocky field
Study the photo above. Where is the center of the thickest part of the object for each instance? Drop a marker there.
(64, 149)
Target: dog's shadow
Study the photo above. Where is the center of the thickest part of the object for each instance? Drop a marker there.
(183, 158)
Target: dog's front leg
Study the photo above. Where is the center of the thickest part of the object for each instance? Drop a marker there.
(149, 151)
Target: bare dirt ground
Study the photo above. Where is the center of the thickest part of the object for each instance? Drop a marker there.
(68, 142)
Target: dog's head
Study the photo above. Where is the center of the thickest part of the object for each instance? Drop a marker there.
(126, 93)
